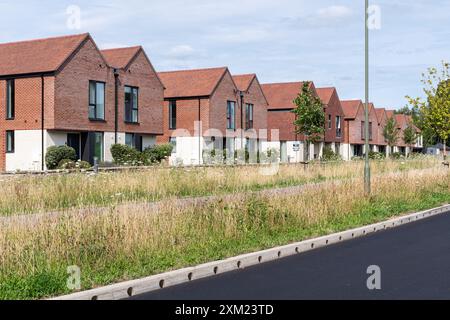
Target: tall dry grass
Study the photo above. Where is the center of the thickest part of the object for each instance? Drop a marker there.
(121, 245)
(29, 194)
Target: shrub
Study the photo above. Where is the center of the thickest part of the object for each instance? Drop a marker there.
(330, 155)
(55, 154)
(376, 155)
(83, 165)
(158, 153)
(66, 164)
(397, 155)
(125, 155)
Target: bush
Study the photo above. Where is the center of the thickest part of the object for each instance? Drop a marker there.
(83, 165)
(66, 164)
(158, 153)
(330, 155)
(397, 156)
(376, 155)
(55, 154)
(124, 155)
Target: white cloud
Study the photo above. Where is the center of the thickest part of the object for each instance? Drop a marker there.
(181, 52)
(334, 12)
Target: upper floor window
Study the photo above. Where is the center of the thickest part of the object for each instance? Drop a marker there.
(363, 131)
(172, 115)
(131, 104)
(96, 100)
(248, 116)
(231, 115)
(338, 127)
(10, 99)
(10, 142)
(329, 122)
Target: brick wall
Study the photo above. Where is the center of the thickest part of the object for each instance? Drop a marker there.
(72, 94)
(334, 109)
(187, 115)
(256, 97)
(28, 108)
(353, 132)
(151, 95)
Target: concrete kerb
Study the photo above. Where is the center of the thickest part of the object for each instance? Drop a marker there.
(157, 282)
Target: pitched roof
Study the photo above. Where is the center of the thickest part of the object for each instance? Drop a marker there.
(120, 57)
(38, 56)
(282, 95)
(243, 81)
(390, 113)
(380, 113)
(325, 94)
(401, 120)
(191, 83)
(350, 108)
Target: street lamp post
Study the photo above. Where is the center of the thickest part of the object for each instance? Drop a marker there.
(367, 186)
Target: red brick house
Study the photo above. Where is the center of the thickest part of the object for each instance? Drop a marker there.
(212, 98)
(253, 108)
(354, 133)
(63, 90)
(382, 120)
(281, 98)
(334, 117)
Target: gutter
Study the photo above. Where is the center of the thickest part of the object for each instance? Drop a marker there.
(42, 122)
(116, 105)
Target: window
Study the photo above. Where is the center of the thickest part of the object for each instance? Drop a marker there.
(98, 146)
(173, 142)
(10, 99)
(248, 116)
(96, 100)
(231, 115)
(329, 122)
(134, 140)
(172, 115)
(370, 131)
(10, 142)
(338, 127)
(363, 131)
(131, 104)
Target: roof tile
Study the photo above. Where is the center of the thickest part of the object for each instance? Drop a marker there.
(37, 56)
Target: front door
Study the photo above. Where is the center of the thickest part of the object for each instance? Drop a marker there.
(73, 140)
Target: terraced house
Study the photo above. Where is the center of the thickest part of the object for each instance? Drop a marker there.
(209, 109)
(334, 119)
(281, 98)
(354, 133)
(65, 91)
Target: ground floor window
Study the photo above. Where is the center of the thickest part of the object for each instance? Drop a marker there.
(382, 149)
(173, 142)
(10, 142)
(358, 150)
(134, 140)
(98, 146)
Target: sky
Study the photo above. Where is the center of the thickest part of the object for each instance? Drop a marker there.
(279, 40)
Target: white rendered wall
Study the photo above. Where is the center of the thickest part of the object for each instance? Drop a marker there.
(27, 154)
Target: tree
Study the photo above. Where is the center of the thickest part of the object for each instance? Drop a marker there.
(390, 133)
(435, 110)
(410, 136)
(310, 117)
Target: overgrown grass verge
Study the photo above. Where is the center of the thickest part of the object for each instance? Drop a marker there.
(123, 245)
(33, 194)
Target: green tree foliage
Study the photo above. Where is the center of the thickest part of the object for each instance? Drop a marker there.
(390, 132)
(310, 117)
(410, 136)
(435, 110)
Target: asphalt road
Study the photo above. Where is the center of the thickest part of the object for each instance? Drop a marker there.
(414, 260)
